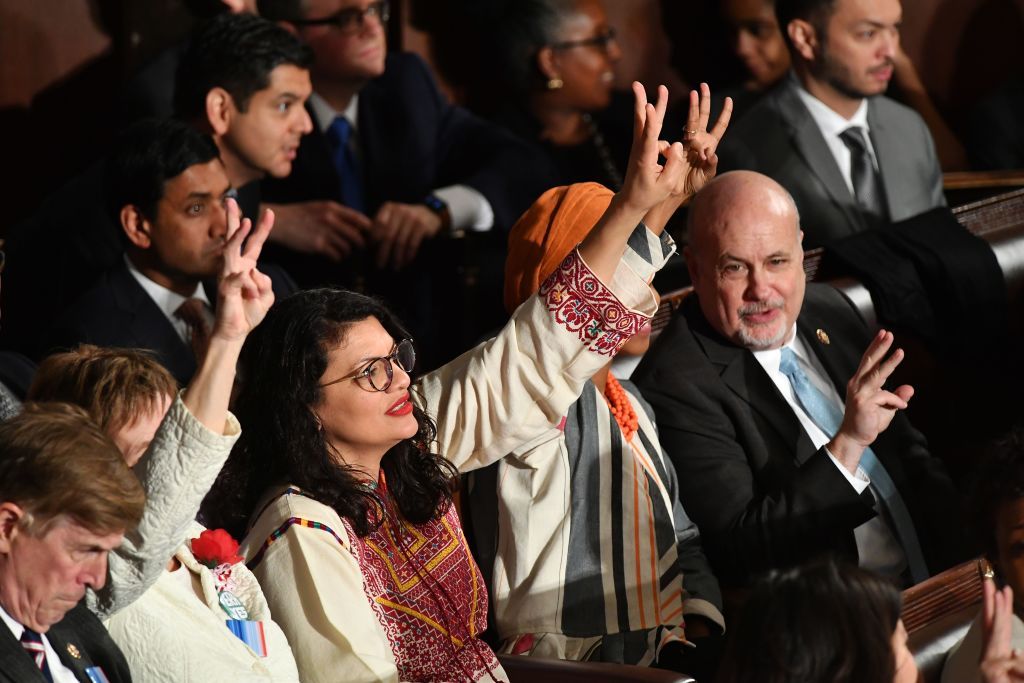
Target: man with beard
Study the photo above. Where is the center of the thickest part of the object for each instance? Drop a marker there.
(851, 158)
(747, 382)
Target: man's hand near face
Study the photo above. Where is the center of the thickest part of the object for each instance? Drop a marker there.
(319, 227)
(398, 230)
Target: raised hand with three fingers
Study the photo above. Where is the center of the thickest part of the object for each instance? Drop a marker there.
(648, 182)
(244, 294)
(870, 408)
(999, 663)
(702, 144)
(701, 147)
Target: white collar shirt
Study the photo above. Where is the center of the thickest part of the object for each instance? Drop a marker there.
(877, 546)
(168, 301)
(324, 115)
(59, 672)
(832, 124)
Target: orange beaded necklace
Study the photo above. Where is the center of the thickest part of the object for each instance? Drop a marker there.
(622, 409)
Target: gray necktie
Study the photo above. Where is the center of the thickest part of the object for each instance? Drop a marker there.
(867, 186)
(828, 417)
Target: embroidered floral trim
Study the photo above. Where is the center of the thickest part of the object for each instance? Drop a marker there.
(583, 305)
(280, 531)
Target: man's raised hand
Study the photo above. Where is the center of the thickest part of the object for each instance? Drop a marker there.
(244, 293)
(869, 407)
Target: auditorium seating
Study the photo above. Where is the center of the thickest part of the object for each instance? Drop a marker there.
(938, 612)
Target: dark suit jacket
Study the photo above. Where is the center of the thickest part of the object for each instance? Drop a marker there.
(62, 250)
(779, 138)
(412, 141)
(55, 255)
(117, 312)
(79, 628)
(761, 494)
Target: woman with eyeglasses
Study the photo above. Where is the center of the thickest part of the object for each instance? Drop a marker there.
(544, 69)
(346, 470)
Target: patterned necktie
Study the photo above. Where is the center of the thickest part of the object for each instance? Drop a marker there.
(351, 181)
(193, 313)
(828, 417)
(866, 183)
(32, 642)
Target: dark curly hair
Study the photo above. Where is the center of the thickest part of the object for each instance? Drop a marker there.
(820, 623)
(281, 367)
(145, 156)
(999, 480)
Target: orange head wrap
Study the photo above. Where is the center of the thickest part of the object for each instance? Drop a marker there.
(546, 233)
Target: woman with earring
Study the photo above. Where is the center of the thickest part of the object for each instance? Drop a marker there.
(544, 69)
(568, 105)
(346, 469)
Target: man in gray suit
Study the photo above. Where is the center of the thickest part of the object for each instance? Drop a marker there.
(852, 158)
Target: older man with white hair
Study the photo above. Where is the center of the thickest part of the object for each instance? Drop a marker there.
(787, 443)
(66, 501)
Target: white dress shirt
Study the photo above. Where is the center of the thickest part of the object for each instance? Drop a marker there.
(877, 546)
(832, 125)
(168, 301)
(469, 209)
(59, 672)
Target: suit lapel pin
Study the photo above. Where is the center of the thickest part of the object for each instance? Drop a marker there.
(823, 337)
(73, 651)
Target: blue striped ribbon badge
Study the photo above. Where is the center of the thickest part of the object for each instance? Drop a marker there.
(250, 633)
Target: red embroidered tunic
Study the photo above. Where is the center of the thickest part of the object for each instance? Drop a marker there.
(421, 583)
(407, 601)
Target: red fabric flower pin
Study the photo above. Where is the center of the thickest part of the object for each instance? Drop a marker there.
(215, 547)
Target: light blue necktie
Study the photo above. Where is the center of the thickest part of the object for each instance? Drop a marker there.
(351, 185)
(828, 417)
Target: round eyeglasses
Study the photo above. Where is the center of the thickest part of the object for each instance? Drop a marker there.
(378, 372)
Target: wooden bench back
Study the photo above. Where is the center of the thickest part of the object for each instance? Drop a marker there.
(938, 612)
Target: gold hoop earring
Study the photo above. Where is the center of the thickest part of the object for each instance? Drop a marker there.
(555, 83)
